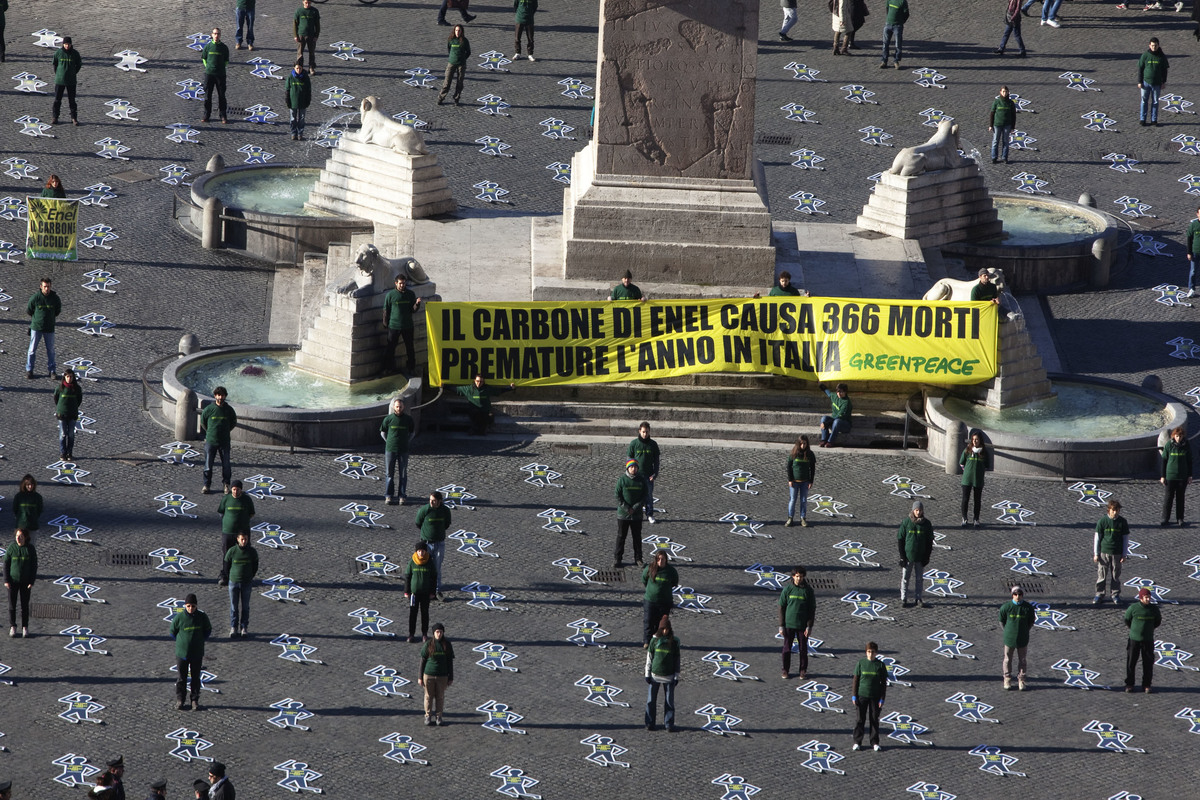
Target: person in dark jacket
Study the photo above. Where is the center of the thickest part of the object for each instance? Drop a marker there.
(54, 188)
(1012, 26)
(241, 564)
(433, 519)
(190, 628)
(479, 402)
(915, 542)
(660, 580)
(662, 672)
(1001, 119)
(458, 51)
(27, 506)
(1177, 472)
(20, 573)
(420, 584)
(974, 462)
(67, 63)
(43, 309)
(838, 420)
(797, 611)
(306, 27)
(1142, 618)
(436, 673)
(214, 56)
(867, 692)
(802, 472)
(631, 493)
(461, 5)
(221, 788)
(1017, 618)
(299, 96)
(67, 399)
(116, 771)
(1110, 549)
(1152, 77)
(644, 450)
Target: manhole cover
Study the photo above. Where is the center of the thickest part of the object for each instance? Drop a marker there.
(121, 558)
(610, 575)
(764, 138)
(868, 234)
(131, 176)
(822, 583)
(1030, 587)
(54, 611)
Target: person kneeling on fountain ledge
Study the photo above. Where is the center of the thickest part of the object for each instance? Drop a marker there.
(985, 290)
(479, 403)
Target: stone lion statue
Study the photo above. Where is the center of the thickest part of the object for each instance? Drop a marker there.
(354, 282)
(960, 291)
(369, 259)
(940, 152)
(378, 128)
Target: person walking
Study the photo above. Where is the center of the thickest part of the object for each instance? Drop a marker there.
(214, 56)
(975, 461)
(67, 399)
(243, 13)
(399, 304)
(433, 519)
(1177, 472)
(915, 542)
(1017, 618)
(54, 188)
(461, 5)
(789, 19)
(436, 673)
(1192, 237)
(1013, 12)
(241, 564)
(396, 429)
(220, 787)
(116, 771)
(299, 96)
(190, 628)
(27, 506)
(631, 493)
(1142, 618)
(306, 27)
(1152, 77)
(67, 63)
(802, 472)
(43, 309)
(662, 672)
(1001, 119)
(525, 10)
(797, 611)
(420, 583)
(1110, 548)
(458, 51)
(216, 421)
(838, 419)
(1049, 12)
(236, 509)
(20, 573)
(840, 11)
(660, 580)
(479, 403)
(893, 27)
(868, 692)
(644, 451)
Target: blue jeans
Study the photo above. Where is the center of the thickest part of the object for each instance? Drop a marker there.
(210, 453)
(1149, 110)
(668, 702)
(437, 550)
(245, 16)
(831, 427)
(650, 498)
(239, 597)
(1192, 272)
(1029, 3)
(1000, 134)
(1050, 9)
(296, 116)
(1013, 28)
(392, 461)
(898, 32)
(66, 436)
(799, 489)
(34, 338)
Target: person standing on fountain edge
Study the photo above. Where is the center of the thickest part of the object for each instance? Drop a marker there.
(399, 304)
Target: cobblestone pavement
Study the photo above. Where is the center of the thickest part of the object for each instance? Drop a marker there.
(169, 286)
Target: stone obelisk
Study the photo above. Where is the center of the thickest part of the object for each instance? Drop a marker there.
(669, 186)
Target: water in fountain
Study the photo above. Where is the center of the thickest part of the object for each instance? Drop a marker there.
(1081, 411)
(267, 379)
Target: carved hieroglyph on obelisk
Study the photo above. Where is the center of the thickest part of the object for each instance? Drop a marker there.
(669, 186)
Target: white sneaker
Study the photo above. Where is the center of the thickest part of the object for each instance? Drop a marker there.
(1043, 22)
(12, 632)
(857, 747)
(531, 58)
(516, 56)
(1178, 7)
(876, 748)
(650, 518)
(1053, 23)
(1191, 293)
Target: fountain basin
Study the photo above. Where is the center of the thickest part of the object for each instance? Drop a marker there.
(1048, 245)
(279, 406)
(1095, 428)
(266, 217)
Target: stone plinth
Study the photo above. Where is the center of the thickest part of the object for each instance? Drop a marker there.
(950, 205)
(1021, 378)
(379, 184)
(669, 186)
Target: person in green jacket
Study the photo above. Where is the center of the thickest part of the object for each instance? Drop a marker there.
(241, 564)
(243, 14)
(458, 51)
(306, 27)
(216, 421)
(1017, 618)
(433, 519)
(1001, 119)
(1192, 237)
(436, 673)
(631, 493)
(20, 572)
(975, 460)
(644, 450)
(660, 580)
(868, 692)
(1142, 618)
(67, 63)
(299, 96)
(420, 583)
(1110, 548)
(525, 10)
(189, 628)
(399, 304)
(67, 399)
(840, 409)
(27, 506)
(54, 188)
(1152, 77)
(797, 611)
(662, 672)
(43, 309)
(626, 289)
(236, 509)
(1177, 472)
(915, 542)
(396, 429)
(802, 472)
(893, 26)
(479, 403)
(214, 56)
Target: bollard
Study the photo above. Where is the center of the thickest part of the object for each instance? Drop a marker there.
(188, 344)
(215, 164)
(185, 416)
(1102, 253)
(1153, 383)
(210, 224)
(956, 435)
(1086, 199)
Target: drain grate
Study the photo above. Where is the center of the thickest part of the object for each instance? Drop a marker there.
(610, 575)
(125, 558)
(822, 583)
(1030, 587)
(54, 611)
(766, 138)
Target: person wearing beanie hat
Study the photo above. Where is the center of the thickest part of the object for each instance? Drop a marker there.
(645, 451)
(236, 509)
(632, 491)
(222, 788)
(1017, 617)
(200, 788)
(189, 628)
(1142, 618)
(915, 543)
(67, 64)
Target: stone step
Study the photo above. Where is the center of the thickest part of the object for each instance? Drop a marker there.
(338, 370)
(384, 158)
(404, 194)
(948, 208)
(332, 352)
(893, 198)
(329, 331)
(341, 172)
(386, 215)
(645, 395)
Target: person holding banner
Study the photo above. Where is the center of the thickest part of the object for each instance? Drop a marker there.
(67, 64)
(67, 399)
(838, 419)
(784, 288)
(632, 491)
(479, 403)
(626, 289)
(54, 188)
(43, 308)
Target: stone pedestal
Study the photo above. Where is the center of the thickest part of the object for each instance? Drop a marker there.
(378, 184)
(1021, 377)
(668, 186)
(951, 205)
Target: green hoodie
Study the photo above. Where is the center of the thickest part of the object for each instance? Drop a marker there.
(1177, 461)
(870, 680)
(1111, 536)
(43, 309)
(631, 495)
(214, 57)
(897, 12)
(1003, 113)
(420, 578)
(915, 539)
(216, 421)
(189, 632)
(27, 507)
(433, 522)
(243, 563)
(236, 513)
(458, 50)
(1152, 68)
(803, 467)
(797, 606)
(658, 590)
(67, 64)
(645, 452)
(525, 10)
(1142, 620)
(663, 656)
(437, 659)
(396, 430)
(20, 564)
(1017, 619)
(298, 89)
(67, 400)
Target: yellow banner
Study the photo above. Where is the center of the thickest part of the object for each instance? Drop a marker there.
(52, 226)
(817, 338)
